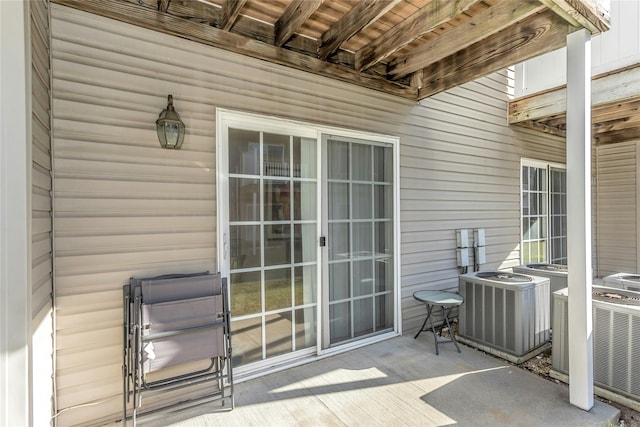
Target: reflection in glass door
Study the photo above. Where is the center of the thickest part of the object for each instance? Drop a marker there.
(360, 240)
(272, 242)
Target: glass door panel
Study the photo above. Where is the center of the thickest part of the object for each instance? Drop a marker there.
(359, 216)
(272, 243)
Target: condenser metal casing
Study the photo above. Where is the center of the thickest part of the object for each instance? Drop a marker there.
(556, 273)
(504, 313)
(616, 339)
(627, 281)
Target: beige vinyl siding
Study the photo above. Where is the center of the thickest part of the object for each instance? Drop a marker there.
(41, 224)
(617, 166)
(125, 207)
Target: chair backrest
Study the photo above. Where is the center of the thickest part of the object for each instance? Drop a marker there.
(180, 308)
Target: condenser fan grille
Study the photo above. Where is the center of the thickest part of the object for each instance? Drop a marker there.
(616, 298)
(548, 267)
(503, 277)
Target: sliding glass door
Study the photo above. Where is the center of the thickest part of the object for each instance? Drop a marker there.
(307, 232)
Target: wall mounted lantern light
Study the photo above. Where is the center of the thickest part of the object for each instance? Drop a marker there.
(170, 128)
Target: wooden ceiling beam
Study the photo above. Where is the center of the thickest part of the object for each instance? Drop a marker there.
(196, 11)
(424, 20)
(605, 88)
(615, 110)
(362, 14)
(539, 34)
(590, 14)
(543, 127)
(293, 17)
(230, 11)
(168, 24)
(491, 21)
(557, 121)
(618, 136)
(619, 124)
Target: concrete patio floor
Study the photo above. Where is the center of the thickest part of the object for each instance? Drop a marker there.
(401, 382)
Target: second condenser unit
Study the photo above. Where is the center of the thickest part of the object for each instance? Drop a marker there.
(616, 340)
(556, 273)
(506, 314)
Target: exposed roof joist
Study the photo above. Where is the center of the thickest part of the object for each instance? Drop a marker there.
(230, 11)
(362, 14)
(292, 19)
(423, 21)
(474, 30)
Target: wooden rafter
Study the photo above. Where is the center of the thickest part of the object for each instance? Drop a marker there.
(424, 20)
(538, 34)
(361, 15)
(230, 11)
(293, 17)
(475, 30)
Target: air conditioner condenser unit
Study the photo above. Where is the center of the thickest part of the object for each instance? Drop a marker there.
(616, 341)
(505, 314)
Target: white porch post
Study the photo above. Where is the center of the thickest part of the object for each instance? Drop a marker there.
(15, 199)
(579, 218)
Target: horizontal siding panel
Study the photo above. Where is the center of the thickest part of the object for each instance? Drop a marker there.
(453, 176)
(41, 155)
(80, 179)
(78, 379)
(41, 200)
(87, 335)
(97, 390)
(41, 246)
(436, 194)
(90, 301)
(118, 242)
(41, 270)
(132, 224)
(87, 263)
(70, 360)
(93, 414)
(41, 303)
(132, 205)
(420, 224)
(41, 222)
(41, 178)
(616, 208)
(79, 319)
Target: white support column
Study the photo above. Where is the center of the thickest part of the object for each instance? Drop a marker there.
(15, 202)
(579, 218)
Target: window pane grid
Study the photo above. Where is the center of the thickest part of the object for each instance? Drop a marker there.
(273, 217)
(360, 221)
(543, 215)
